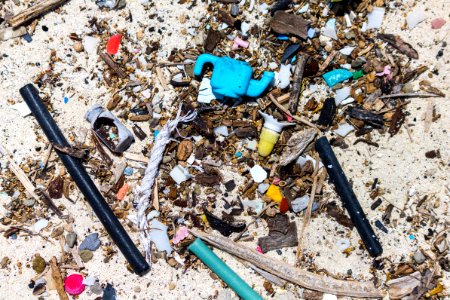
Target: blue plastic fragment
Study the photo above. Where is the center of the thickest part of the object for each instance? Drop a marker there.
(155, 133)
(282, 37)
(66, 100)
(337, 76)
(128, 171)
(27, 37)
(311, 33)
(232, 78)
(238, 154)
(412, 237)
(91, 242)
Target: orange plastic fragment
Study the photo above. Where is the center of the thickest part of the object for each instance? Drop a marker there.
(122, 192)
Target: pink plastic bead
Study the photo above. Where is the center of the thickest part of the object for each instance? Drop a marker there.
(258, 248)
(387, 72)
(437, 23)
(240, 43)
(73, 284)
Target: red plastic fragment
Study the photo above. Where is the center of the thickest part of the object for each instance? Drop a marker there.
(112, 47)
(284, 206)
(73, 284)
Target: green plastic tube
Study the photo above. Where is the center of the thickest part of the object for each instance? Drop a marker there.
(223, 271)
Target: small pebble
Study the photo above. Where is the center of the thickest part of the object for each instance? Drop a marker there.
(86, 255)
(96, 288)
(419, 257)
(39, 264)
(234, 11)
(71, 238)
(91, 242)
(29, 202)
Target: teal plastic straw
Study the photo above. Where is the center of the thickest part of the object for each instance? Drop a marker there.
(223, 271)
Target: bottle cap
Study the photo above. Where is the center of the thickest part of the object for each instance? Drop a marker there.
(272, 124)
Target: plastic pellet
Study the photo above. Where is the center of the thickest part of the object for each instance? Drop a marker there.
(73, 284)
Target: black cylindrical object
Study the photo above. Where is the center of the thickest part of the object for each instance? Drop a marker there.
(347, 195)
(84, 182)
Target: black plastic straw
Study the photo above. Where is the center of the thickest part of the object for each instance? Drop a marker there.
(347, 195)
(84, 182)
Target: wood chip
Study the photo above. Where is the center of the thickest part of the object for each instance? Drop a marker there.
(34, 11)
(285, 23)
(113, 65)
(57, 278)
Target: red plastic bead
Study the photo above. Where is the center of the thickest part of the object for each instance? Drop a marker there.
(74, 284)
(112, 47)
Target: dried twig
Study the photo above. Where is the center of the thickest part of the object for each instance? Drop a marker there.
(307, 217)
(327, 61)
(297, 83)
(29, 187)
(34, 11)
(161, 78)
(57, 278)
(295, 117)
(113, 65)
(408, 95)
(101, 151)
(292, 274)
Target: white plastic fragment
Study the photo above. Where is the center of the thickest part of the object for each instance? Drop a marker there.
(158, 235)
(39, 225)
(284, 75)
(264, 8)
(344, 129)
(364, 27)
(245, 27)
(256, 205)
(263, 187)
(343, 244)
(273, 65)
(375, 18)
(90, 44)
(303, 9)
(179, 174)
(252, 144)
(301, 160)
(221, 130)
(348, 21)
(300, 204)
(258, 173)
(205, 94)
(415, 17)
(347, 50)
(22, 108)
(348, 101)
(329, 297)
(153, 214)
(90, 280)
(330, 29)
(342, 94)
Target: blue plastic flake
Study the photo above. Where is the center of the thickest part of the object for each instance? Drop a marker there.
(128, 171)
(412, 237)
(66, 100)
(311, 33)
(337, 76)
(27, 38)
(13, 236)
(155, 133)
(112, 136)
(282, 37)
(238, 154)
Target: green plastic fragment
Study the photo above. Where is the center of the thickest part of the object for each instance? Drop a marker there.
(223, 271)
(358, 74)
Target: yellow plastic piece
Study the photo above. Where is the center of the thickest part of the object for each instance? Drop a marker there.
(204, 220)
(438, 289)
(267, 141)
(274, 193)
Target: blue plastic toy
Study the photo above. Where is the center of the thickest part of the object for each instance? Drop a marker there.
(232, 78)
(336, 76)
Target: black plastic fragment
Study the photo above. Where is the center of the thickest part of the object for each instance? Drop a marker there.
(289, 52)
(327, 113)
(221, 226)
